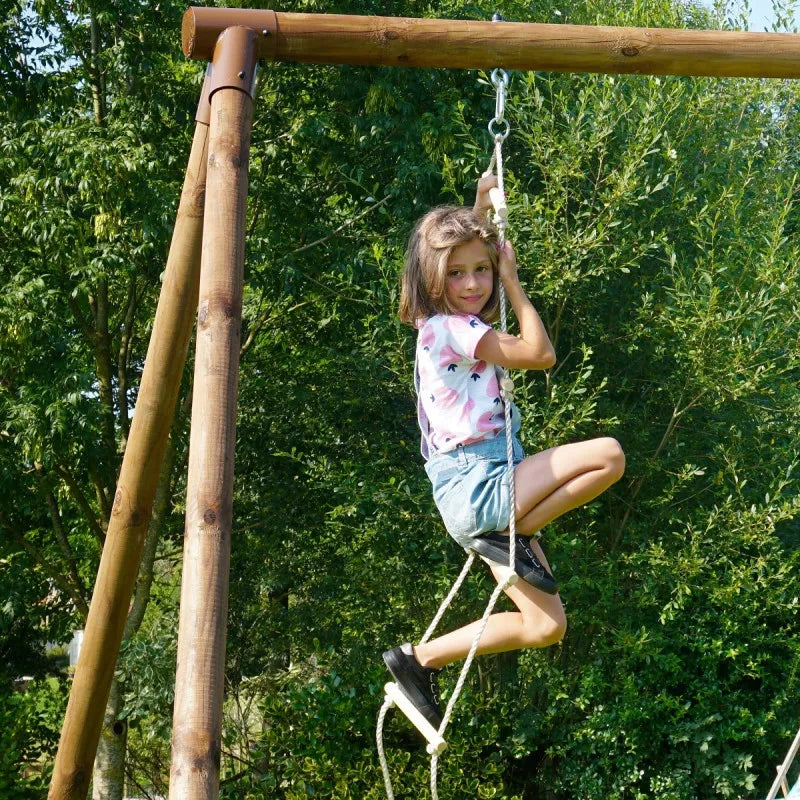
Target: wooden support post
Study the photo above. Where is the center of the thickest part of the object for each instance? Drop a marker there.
(783, 769)
(784, 782)
(197, 722)
(469, 44)
(141, 464)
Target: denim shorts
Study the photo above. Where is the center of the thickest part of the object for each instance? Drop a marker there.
(470, 487)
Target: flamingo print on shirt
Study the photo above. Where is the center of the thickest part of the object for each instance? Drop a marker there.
(493, 389)
(458, 393)
(449, 358)
(447, 398)
(427, 336)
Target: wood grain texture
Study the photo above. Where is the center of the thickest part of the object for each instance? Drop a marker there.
(464, 44)
(197, 724)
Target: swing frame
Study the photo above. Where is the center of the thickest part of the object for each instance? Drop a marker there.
(205, 272)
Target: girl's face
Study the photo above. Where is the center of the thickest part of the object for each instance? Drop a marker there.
(470, 279)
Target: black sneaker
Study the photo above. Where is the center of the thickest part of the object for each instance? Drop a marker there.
(420, 684)
(494, 546)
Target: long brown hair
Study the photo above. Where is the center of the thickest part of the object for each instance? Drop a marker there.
(422, 292)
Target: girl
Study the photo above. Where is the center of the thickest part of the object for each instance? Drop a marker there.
(450, 292)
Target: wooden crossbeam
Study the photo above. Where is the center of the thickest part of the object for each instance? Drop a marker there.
(465, 44)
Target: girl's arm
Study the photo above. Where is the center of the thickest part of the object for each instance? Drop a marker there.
(532, 349)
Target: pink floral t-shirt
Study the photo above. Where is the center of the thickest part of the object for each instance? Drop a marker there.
(459, 398)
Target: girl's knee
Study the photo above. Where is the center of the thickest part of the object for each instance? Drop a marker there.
(614, 456)
(546, 630)
(554, 630)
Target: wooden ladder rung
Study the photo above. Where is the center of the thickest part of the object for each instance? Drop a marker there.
(436, 744)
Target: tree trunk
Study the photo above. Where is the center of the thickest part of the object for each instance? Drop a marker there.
(108, 778)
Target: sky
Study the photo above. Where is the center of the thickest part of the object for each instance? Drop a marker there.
(762, 14)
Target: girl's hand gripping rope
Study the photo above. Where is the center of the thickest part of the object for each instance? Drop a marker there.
(483, 200)
(489, 197)
(507, 265)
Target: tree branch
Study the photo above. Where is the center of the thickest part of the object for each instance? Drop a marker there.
(58, 528)
(83, 324)
(342, 226)
(263, 320)
(123, 356)
(103, 498)
(82, 502)
(101, 342)
(95, 72)
(638, 483)
(38, 557)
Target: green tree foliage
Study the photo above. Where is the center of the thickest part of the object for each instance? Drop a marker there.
(656, 225)
(88, 92)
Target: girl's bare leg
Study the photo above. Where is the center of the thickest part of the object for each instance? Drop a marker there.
(547, 485)
(557, 480)
(539, 622)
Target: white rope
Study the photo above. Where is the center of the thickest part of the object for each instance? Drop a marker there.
(500, 81)
(387, 778)
(470, 656)
(506, 384)
(446, 602)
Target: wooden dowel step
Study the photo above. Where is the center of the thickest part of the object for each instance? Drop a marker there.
(784, 782)
(783, 769)
(506, 575)
(436, 744)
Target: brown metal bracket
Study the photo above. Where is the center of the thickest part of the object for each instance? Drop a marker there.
(201, 27)
(234, 63)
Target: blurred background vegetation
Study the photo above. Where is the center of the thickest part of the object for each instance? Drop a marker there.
(656, 222)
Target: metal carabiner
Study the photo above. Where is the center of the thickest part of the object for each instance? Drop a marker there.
(499, 77)
(500, 83)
